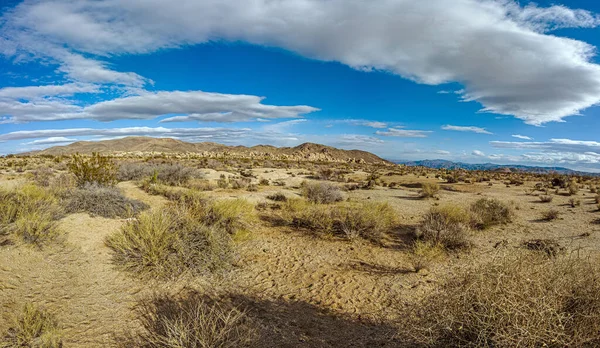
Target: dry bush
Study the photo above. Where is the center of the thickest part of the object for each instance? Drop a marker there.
(321, 192)
(173, 174)
(487, 212)
(550, 247)
(573, 188)
(169, 243)
(96, 169)
(30, 213)
(429, 190)
(424, 253)
(522, 300)
(33, 327)
(108, 202)
(367, 220)
(263, 182)
(277, 197)
(574, 202)
(546, 198)
(42, 176)
(231, 215)
(189, 321)
(550, 215)
(447, 226)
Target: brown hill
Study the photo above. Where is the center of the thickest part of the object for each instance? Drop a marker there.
(146, 145)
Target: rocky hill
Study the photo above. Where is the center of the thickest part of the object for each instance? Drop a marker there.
(138, 146)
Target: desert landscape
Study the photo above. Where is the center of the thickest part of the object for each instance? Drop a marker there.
(173, 244)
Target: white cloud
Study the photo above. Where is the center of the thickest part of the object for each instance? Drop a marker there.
(471, 129)
(442, 152)
(403, 133)
(478, 153)
(34, 92)
(195, 105)
(51, 141)
(497, 49)
(374, 124)
(555, 151)
(519, 136)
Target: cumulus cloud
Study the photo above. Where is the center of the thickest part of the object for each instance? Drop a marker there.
(478, 153)
(519, 136)
(194, 105)
(403, 133)
(471, 129)
(498, 50)
(555, 151)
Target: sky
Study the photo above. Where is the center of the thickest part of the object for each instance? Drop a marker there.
(476, 81)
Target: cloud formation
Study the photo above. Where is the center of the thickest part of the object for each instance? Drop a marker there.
(556, 151)
(523, 71)
(192, 105)
(403, 133)
(478, 153)
(471, 129)
(519, 136)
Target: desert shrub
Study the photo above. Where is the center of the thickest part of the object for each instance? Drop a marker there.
(169, 243)
(189, 320)
(550, 247)
(597, 199)
(573, 188)
(447, 226)
(321, 192)
(96, 169)
(42, 176)
(30, 213)
(550, 215)
(429, 190)
(546, 198)
(277, 197)
(368, 220)
(487, 212)
(173, 174)
(574, 202)
(263, 182)
(424, 253)
(107, 202)
(223, 182)
(33, 327)
(523, 300)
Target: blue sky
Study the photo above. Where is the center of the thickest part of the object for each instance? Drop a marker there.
(466, 80)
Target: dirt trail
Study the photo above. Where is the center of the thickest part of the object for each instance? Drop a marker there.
(73, 279)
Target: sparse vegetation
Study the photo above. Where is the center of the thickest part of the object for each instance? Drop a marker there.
(429, 190)
(107, 202)
(189, 320)
(487, 212)
(321, 192)
(518, 300)
(447, 226)
(33, 327)
(546, 198)
(550, 215)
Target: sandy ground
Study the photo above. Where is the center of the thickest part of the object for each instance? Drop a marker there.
(303, 291)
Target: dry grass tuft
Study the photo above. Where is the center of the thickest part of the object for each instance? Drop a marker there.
(321, 192)
(107, 202)
(523, 300)
(550, 247)
(550, 215)
(546, 198)
(30, 213)
(429, 190)
(33, 327)
(189, 321)
(488, 212)
(447, 226)
(424, 253)
(169, 243)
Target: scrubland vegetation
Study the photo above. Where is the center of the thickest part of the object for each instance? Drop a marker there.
(233, 253)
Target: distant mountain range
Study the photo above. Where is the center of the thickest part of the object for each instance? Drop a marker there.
(444, 164)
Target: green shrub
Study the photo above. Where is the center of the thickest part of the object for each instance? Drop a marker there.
(322, 193)
(33, 327)
(447, 226)
(96, 169)
(107, 202)
(487, 212)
